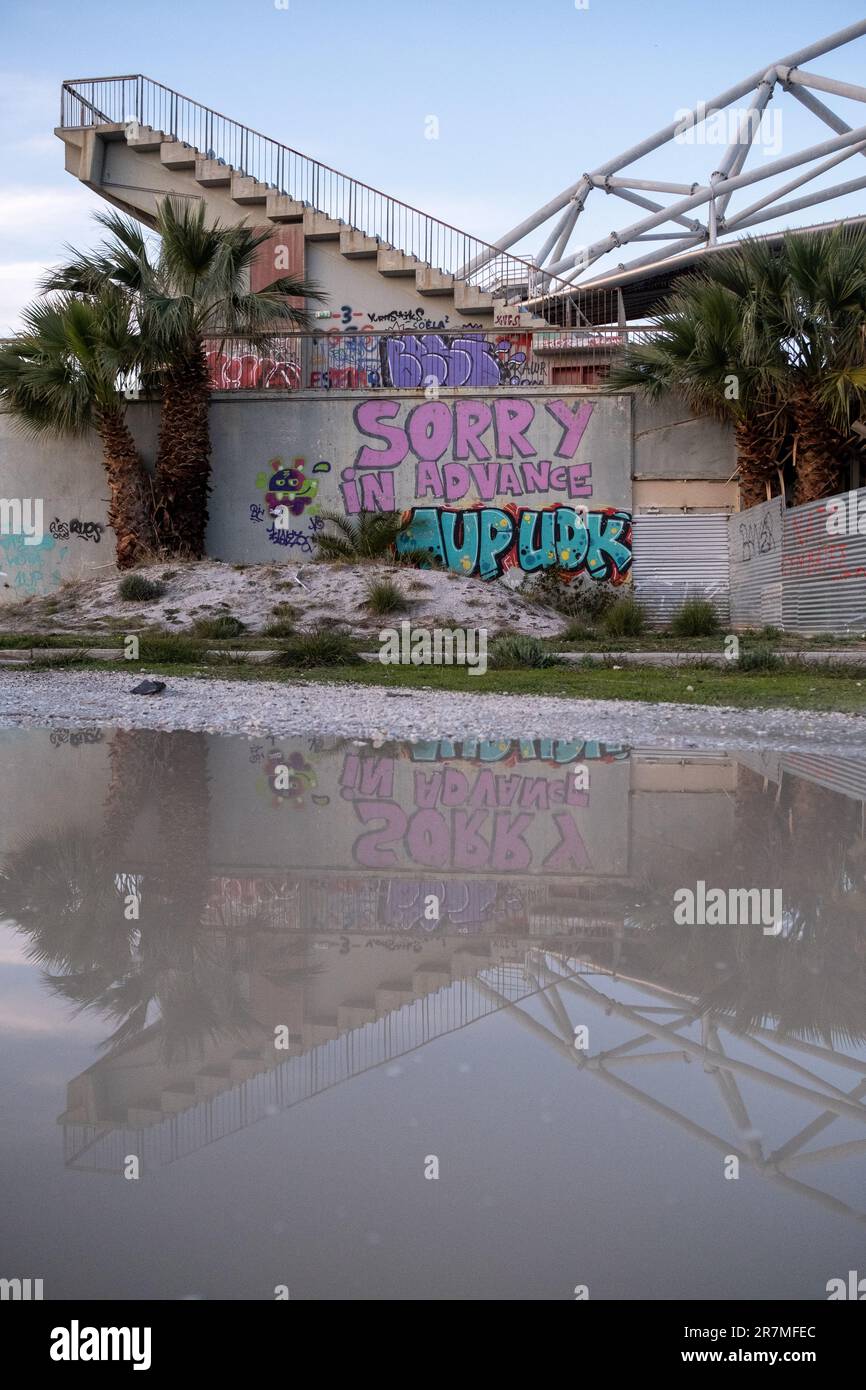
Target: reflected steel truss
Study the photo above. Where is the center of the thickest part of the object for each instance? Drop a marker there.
(559, 256)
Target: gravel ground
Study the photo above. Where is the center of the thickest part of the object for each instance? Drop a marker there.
(68, 699)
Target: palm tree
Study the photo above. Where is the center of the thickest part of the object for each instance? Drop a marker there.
(700, 353)
(788, 324)
(62, 375)
(194, 289)
(367, 536)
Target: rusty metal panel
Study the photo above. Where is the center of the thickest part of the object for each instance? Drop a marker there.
(680, 556)
(823, 574)
(756, 565)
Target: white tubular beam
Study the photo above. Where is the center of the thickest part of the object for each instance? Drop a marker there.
(811, 103)
(824, 195)
(559, 249)
(737, 153)
(688, 243)
(661, 137)
(688, 222)
(810, 174)
(799, 78)
(645, 185)
(703, 195)
(555, 236)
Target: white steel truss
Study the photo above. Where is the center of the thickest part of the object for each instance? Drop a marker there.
(673, 222)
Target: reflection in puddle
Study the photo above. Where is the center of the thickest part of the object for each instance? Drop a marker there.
(248, 924)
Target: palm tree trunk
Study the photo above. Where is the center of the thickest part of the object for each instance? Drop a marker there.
(819, 448)
(183, 457)
(130, 506)
(756, 457)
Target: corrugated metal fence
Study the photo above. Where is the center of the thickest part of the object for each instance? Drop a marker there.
(823, 572)
(756, 565)
(802, 569)
(681, 556)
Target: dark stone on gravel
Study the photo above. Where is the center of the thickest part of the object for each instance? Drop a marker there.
(148, 688)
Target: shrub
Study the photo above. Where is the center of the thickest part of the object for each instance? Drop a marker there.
(137, 588)
(220, 628)
(280, 627)
(171, 647)
(512, 652)
(761, 658)
(384, 596)
(696, 618)
(367, 536)
(577, 631)
(321, 647)
(585, 600)
(625, 619)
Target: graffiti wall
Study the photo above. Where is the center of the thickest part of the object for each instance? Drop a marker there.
(419, 813)
(63, 484)
(488, 483)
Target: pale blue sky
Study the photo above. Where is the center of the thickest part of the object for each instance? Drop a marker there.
(528, 95)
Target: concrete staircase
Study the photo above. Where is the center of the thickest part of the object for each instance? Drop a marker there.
(134, 166)
(214, 1078)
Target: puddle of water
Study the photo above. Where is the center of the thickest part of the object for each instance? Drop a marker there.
(479, 1020)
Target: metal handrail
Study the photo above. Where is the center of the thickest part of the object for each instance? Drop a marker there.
(435, 243)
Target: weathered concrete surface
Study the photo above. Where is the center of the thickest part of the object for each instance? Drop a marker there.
(68, 476)
(318, 436)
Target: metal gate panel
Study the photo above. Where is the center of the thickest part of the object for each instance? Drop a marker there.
(823, 575)
(680, 556)
(756, 565)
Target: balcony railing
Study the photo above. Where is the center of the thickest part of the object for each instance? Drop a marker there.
(472, 360)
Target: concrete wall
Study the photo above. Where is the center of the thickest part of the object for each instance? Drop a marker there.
(485, 453)
(68, 477)
(396, 452)
(671, 443)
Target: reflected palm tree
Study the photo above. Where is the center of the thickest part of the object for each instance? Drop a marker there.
(810, 981)
(156, 961)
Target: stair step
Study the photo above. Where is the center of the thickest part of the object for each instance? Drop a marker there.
(147, 139)
(525, 321)
(426, 980)
(322, 1031)
(318, 226)
(245, 1065)
(390, 997)
(175, 155)
(211, 1081)
(469, 962)
(246, 189)
(280, 207)
(468, 299)
(389, 261)
(429, 281)
(211, 174)
(176, 1098)
(147, 1113)
(357, 245)
(355, 1015)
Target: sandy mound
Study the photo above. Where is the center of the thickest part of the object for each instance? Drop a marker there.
(318, 594)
